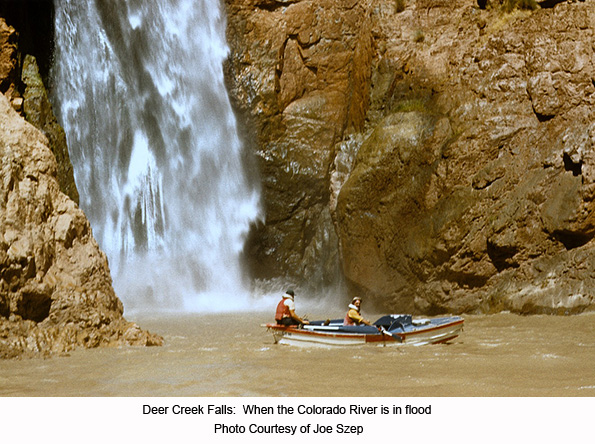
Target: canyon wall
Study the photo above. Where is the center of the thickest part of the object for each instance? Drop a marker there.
(434, 156)
(55, 286)
(299, 74)
(441, 153)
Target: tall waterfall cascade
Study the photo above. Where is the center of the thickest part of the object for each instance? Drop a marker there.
(138, 87)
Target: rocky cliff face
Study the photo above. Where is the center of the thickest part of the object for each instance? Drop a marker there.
(442, 153)
(300, 74)
(22, 83)
(55, 285)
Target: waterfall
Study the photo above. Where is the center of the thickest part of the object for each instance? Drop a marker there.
(138, 87)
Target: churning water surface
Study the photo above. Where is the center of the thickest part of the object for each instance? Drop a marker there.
(231, 355)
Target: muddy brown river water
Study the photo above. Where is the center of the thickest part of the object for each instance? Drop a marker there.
(231, 355)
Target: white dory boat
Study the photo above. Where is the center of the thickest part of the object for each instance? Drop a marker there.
(388, 330)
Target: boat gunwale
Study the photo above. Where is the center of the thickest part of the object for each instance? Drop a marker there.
(370, 337)
(333, 334)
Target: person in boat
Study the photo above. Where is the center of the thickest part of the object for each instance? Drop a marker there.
(285, 314)
(353, 316)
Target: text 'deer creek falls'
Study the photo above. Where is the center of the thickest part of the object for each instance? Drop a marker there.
(325, 419)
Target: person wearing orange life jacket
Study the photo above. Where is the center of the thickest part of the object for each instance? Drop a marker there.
(285, 314)
(353, 316)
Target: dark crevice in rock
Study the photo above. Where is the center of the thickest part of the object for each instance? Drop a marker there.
(34, 22)
(547, 4)
(542, 117)
(34, 306)
(465, 280)
(572, 240)
(272, 6)
(313, 69)
(502, 257)
(279, 67)
(569, 165)
(4, 310)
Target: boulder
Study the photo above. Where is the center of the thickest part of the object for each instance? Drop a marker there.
(55, 285)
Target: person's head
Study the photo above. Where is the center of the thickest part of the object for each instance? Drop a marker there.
(357, 301)
(289, 294)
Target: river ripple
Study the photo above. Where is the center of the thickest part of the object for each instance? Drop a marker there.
(231, 355)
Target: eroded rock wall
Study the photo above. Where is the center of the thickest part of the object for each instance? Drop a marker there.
(55, 285)
(468, 186)
(491, 211)
(299, 74)
(22, 83)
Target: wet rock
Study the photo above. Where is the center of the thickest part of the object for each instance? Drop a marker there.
(467, 187)
(8, 60)
(55, 285)
(38, 111)
(298, 74)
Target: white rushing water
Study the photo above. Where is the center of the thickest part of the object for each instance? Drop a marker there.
(138, 87)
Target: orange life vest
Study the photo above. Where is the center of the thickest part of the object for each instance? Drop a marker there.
(282, 311)
(356, 320)
(348, 320)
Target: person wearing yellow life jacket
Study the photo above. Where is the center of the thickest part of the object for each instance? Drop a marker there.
(353, 316)
(285, 314)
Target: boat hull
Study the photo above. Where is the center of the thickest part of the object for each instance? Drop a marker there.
(428, 331)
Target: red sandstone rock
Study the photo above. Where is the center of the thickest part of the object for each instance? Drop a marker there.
(55, 286)
(478, 197)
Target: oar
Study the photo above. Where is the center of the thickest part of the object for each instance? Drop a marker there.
(395, 336)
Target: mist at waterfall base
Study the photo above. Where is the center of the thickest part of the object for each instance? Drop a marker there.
(138, 87)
